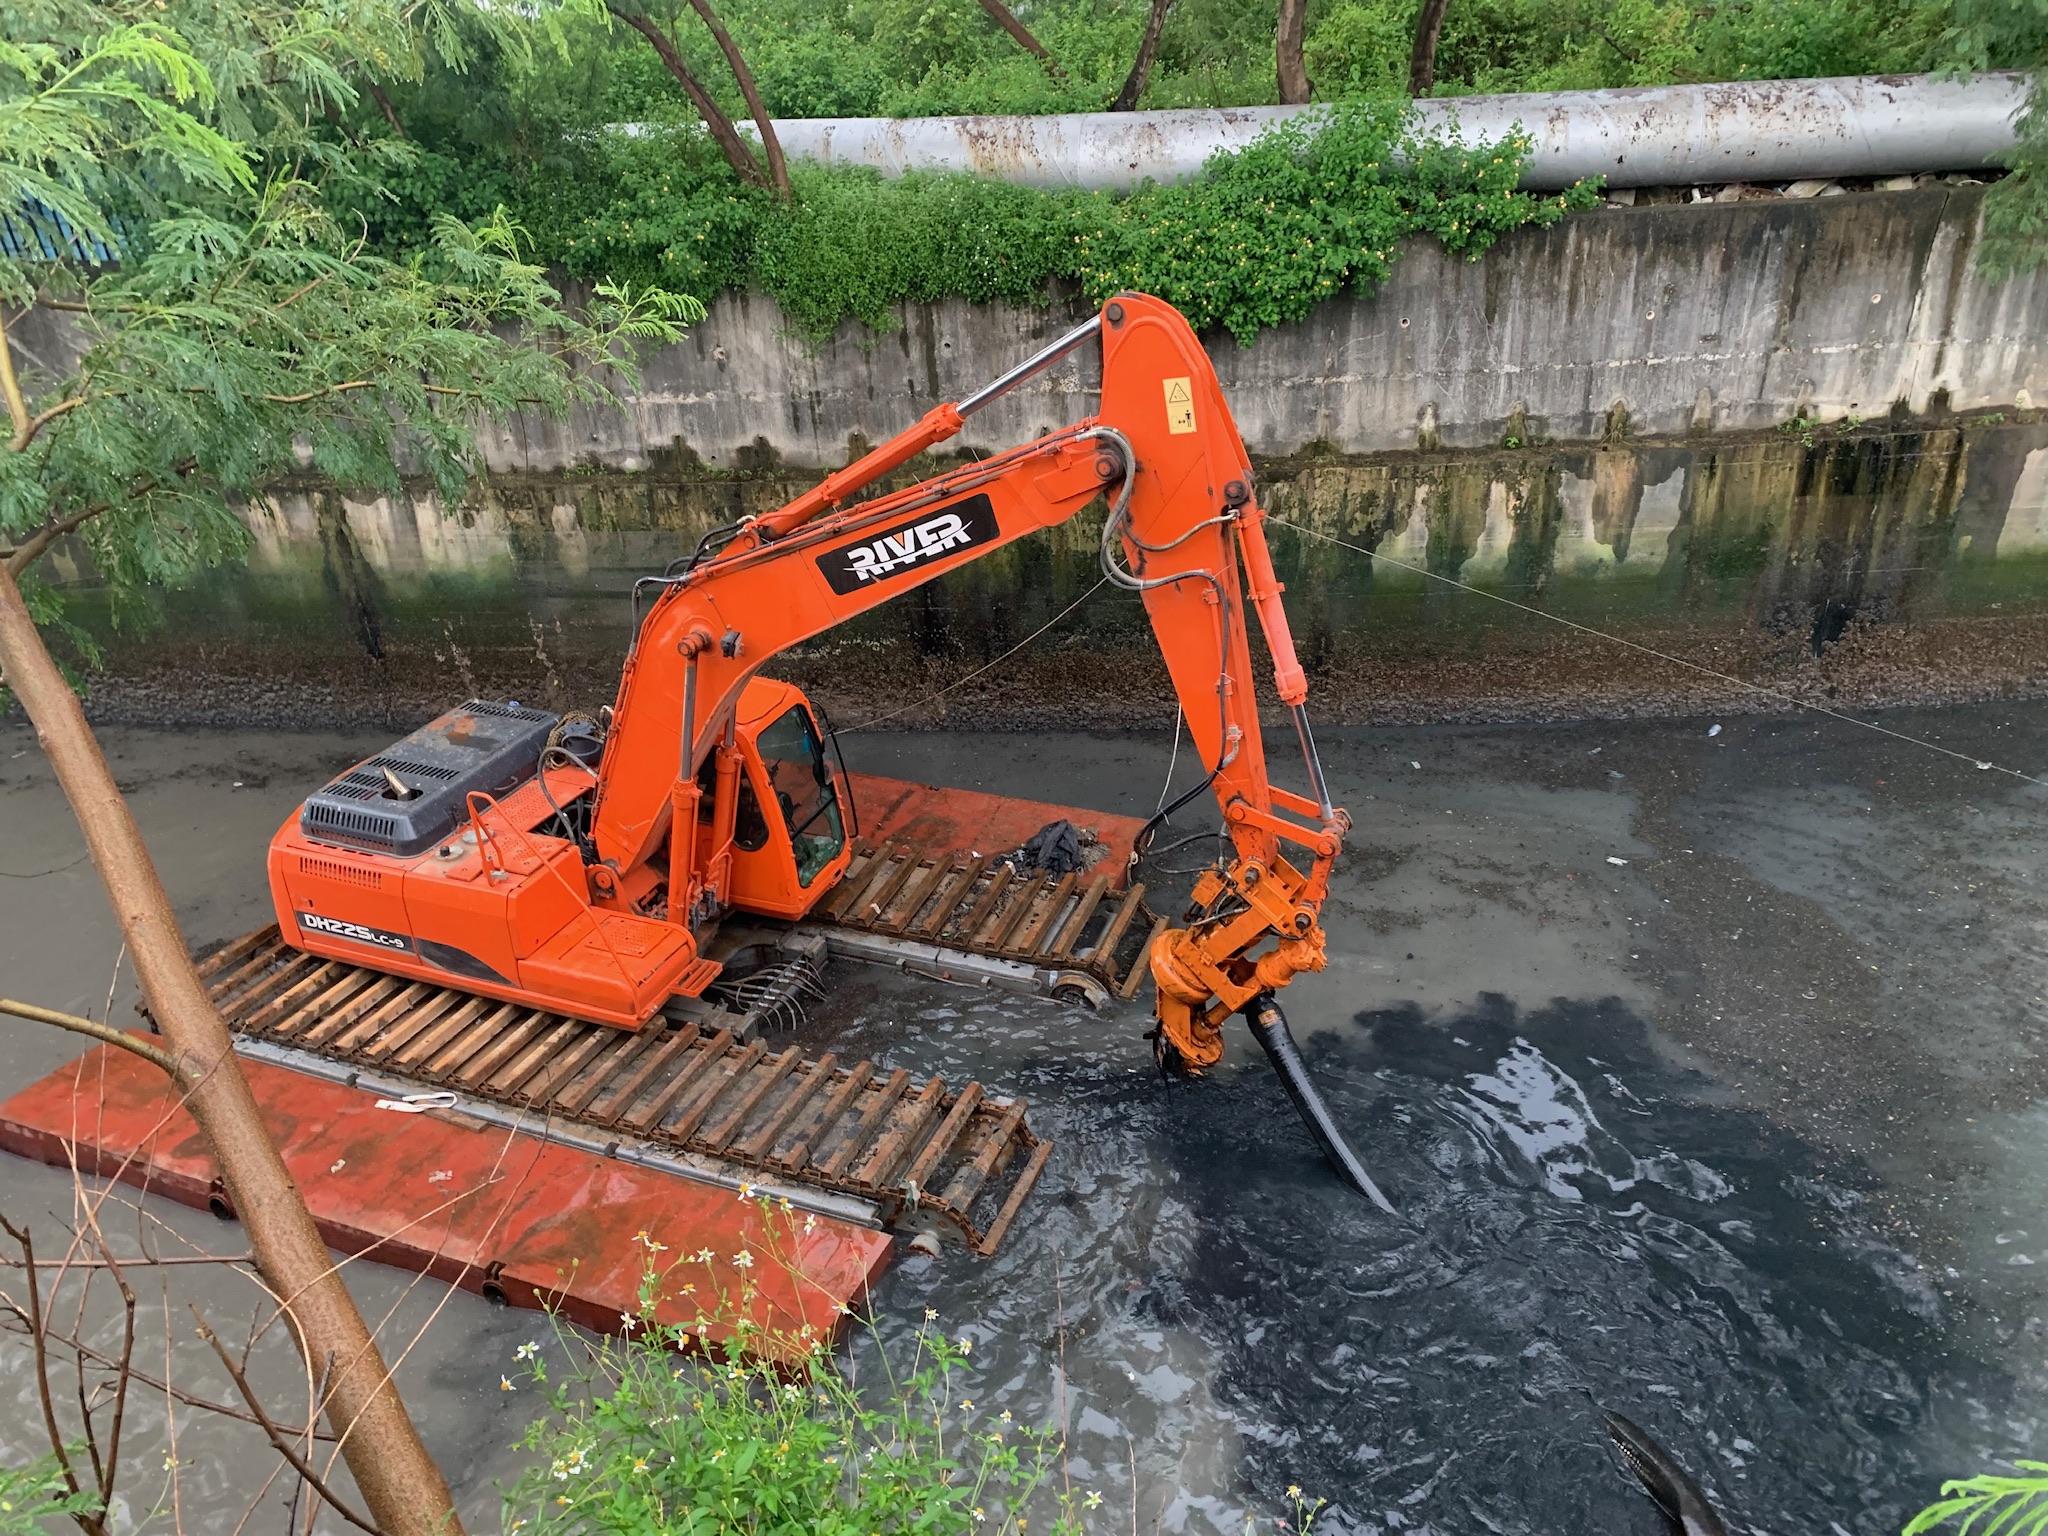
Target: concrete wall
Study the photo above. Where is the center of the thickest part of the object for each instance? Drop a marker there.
(1884, 565)
(1672, 319)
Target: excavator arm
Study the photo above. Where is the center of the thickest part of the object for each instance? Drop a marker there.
(1183, 530)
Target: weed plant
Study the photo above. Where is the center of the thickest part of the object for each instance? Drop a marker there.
(729, 1422)
(713, 1414)
(32, 1497)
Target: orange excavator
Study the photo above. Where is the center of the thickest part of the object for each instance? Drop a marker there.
(586, 867)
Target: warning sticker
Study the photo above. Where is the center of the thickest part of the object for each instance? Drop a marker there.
(1180, 406)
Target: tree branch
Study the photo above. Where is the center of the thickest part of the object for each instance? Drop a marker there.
(737, 155)
(30, 549)
(190, 1400)
(771, 146)
(384, 105)
(124, 1373)
(17, 406)
(105, 1033)
(276, 1436)
(139, 1262)
(25, 432)
(90, 1524)
(1429, 26)
(330, 389)
(1295, 85)
(1141, 66)
(1007, 20)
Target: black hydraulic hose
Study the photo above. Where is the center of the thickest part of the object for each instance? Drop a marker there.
(1269, 1028)
(1141, 845)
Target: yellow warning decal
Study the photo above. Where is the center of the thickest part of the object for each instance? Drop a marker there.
(1180, 406)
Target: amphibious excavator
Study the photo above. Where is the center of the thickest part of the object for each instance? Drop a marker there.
(595, 869)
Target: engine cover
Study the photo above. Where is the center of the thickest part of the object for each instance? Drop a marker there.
(480, 745)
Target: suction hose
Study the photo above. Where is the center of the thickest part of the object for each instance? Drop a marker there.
(1269, 1028)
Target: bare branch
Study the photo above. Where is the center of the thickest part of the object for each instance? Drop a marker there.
(1007, 20)
(771, 146)
(17, 405)
(105, 1033)
(189, 1399)
(39, 1342)
(30, 549)
(737, 155)
(124, 1373)
(144, 1262)
(25, 432)
(279, 1441)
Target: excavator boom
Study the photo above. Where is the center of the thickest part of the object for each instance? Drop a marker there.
(709, 794)
(1184, 531)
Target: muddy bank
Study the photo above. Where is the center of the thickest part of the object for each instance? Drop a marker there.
(1906, 564)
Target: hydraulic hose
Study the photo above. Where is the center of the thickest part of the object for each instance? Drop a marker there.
(1269, 1028)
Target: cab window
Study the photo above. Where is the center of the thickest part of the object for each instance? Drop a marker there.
(802, 787)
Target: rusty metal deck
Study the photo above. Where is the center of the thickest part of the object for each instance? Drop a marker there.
(1072, 929)
(690, 1090)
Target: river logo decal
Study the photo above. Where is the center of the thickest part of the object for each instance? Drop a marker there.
(335, 928)
(908, 545)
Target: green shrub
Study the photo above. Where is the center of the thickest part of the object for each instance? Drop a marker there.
(644, 1439)
(852, 245)
(1309, 209)
(1306, 211)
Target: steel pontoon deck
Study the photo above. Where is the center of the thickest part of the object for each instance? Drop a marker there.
(691, 1097)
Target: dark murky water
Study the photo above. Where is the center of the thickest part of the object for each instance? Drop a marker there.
(1581, 1227)
(1652, 1152)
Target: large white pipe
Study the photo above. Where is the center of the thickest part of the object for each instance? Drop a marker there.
(1670, 135)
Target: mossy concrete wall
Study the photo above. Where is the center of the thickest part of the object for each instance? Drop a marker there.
(1874, 565)
(1665, 320)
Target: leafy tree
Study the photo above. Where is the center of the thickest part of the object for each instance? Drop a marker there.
(182, 319)
(1991, 34)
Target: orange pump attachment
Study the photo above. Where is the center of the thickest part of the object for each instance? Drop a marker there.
(713, 794)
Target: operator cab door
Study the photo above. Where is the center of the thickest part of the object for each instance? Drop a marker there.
(789, 827)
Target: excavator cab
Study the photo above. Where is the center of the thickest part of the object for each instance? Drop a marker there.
(790, 810)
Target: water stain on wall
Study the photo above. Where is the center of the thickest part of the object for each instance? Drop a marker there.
(1768, 549)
